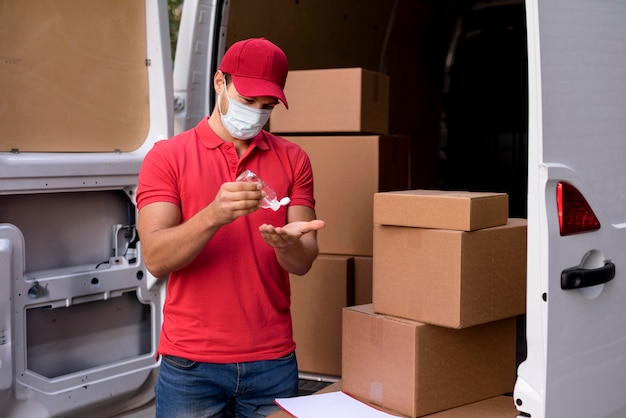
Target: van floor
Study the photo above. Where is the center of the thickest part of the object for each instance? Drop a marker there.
(308, 387)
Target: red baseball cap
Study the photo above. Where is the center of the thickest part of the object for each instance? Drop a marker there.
(257, 67)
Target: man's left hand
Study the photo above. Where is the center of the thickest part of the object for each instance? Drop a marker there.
(288, 235)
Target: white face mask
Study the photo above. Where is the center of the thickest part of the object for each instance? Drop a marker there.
(241, 121)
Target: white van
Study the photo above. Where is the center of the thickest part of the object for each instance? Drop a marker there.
(576, 211)
(502, 95)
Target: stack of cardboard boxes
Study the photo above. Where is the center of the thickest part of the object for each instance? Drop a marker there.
(449, 278)
(414, 297)
(340, 118)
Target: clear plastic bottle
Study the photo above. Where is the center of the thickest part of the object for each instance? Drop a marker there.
(270, 200)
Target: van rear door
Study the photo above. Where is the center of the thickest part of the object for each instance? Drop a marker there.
(85, 90)
(576, 316)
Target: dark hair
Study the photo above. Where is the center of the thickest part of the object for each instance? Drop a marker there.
(227, 78)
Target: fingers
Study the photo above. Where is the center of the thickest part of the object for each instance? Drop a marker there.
(241, 200)
(270, 231)
(240, 196)
(277, 237)
(235, 199)
(296, 229)
(290, 233)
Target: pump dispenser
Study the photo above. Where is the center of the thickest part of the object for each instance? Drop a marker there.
(270, 200)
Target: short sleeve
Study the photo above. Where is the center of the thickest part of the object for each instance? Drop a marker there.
(157, 178)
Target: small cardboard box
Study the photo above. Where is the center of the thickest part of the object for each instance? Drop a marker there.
(348, 171)
(338, 100)
(439, 209)
(497, 407)
(418, 369)
(317, 299)
(450, 278)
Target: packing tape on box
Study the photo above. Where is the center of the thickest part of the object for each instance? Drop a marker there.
(376, 392)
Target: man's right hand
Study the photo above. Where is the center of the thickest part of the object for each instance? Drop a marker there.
(235, 199)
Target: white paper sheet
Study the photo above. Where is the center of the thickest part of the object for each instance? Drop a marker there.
(329, 405)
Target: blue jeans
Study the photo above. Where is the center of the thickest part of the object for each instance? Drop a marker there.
(191, 389)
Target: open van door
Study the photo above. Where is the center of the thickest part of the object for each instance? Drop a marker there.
(576, 316)
(85, 90)
(201, 45)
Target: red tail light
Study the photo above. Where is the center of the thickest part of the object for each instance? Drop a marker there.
(575, 214)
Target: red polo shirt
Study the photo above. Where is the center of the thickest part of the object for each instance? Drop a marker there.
(231, 304)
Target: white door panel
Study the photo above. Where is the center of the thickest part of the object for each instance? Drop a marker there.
(79, 313)
(576, 364)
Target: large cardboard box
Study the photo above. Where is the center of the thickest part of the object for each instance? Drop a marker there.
(459, 210)
(497, 407)
(317, 299)
(348, 171)
(338, 100)
(450, 278)
(418, 369)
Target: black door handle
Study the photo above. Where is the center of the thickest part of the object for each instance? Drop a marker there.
(577, 277)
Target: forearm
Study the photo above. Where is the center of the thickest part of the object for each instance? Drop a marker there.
(169, 244)
(298, 258)
(170, 249)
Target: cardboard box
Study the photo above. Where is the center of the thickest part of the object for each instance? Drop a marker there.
(338, 100)
(497, 407)
(317, 299)
(418, 369)
(363, 277)
(348, 171)
(459, 210)
(450, 278)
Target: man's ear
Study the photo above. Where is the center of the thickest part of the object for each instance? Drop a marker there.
(218, 81)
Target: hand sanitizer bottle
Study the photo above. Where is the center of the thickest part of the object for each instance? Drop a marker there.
(269, 195)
